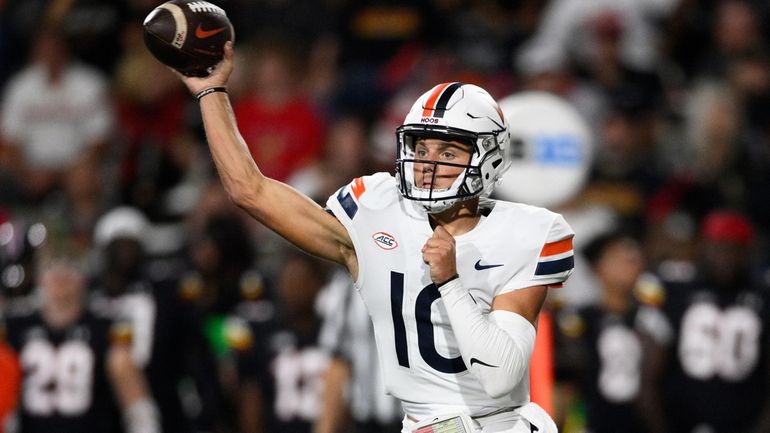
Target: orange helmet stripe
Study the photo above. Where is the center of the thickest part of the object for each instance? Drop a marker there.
(430, 103)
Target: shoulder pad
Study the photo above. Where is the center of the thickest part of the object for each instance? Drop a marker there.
(376, 191)
(252, 285)
(571, 324)
(371, 192)
(649, 290)
(121, 332)
(237, 334)
(190, 286)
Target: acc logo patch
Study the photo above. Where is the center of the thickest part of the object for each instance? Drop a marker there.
(385, 241)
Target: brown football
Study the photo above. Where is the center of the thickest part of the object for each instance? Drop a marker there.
(188, 35)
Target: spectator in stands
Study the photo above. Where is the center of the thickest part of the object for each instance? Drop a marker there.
(569, 27)
(735, 31)
(346, 155)
(625, 173)
(161, 166)
(380, 42)
(55, 112)
(281, 126)
(93, 28)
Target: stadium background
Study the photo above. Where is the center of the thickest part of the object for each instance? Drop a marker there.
(676, 94)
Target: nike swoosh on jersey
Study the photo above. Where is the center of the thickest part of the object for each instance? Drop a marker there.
(481, 362)
(480, 267)
(203, 34)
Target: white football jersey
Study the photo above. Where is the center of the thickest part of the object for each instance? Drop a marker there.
(514, 246)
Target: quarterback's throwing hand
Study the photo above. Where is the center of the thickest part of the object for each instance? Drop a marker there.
(218, 77)
(439, 254)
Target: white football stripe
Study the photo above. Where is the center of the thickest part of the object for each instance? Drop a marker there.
(181, 23)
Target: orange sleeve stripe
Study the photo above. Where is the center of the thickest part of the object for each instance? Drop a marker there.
(358, 187)
(557, 247)
(430, 104)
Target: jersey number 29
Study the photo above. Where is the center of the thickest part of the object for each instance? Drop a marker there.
(58, 379)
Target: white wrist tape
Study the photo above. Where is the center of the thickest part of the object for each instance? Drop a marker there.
(496, 348)
(142, 417)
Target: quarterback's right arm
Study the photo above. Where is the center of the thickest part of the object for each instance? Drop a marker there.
(276, 205)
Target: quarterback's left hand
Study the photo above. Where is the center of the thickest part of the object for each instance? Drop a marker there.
(439, 254)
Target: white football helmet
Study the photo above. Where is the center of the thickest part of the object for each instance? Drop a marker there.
(121, 222)
(461, 112)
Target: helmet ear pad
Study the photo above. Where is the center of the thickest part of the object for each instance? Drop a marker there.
(490, 169)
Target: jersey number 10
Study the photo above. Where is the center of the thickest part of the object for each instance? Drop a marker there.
(425, 333)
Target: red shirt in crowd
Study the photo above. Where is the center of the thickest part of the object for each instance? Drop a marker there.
(281, 139)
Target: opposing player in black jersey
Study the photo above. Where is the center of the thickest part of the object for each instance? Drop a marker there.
(606, 350)
(168, 341)
(78, 375)
(716, 377)
(230, 295)
(284, 362)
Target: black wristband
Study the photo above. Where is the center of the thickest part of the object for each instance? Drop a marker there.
(454, 277)
(205, 92)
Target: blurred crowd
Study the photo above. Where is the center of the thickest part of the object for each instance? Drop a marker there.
(110, 207)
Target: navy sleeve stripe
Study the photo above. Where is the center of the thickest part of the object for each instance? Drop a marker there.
(348, 203)
(556, 266)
